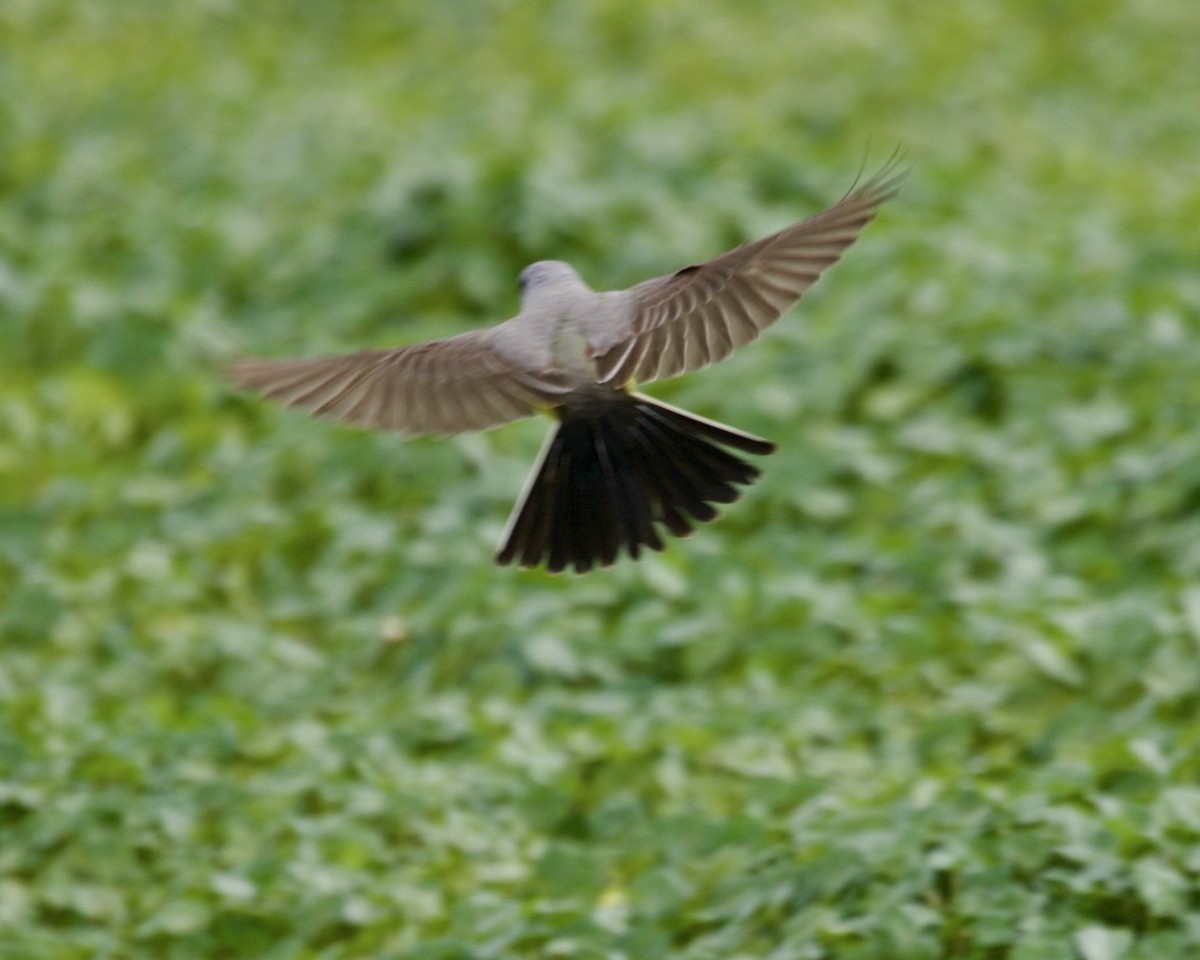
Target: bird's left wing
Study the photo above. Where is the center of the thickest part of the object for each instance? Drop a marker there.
(467, 382)
(696, 316)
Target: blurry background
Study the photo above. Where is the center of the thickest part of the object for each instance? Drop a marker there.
(929, 690)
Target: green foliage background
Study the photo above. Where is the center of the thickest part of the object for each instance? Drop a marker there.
(929, 691)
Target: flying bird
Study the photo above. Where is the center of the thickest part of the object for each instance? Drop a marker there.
(619, 466)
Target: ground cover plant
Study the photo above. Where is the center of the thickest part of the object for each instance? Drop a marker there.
(928, 691)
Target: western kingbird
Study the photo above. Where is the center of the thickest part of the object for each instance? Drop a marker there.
(619, 463)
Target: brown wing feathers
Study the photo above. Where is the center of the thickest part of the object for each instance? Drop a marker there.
(439, 387)
(698, 315)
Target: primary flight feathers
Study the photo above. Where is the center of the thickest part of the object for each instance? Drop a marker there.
(619, 463)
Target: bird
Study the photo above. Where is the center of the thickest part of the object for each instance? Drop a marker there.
(620, 469)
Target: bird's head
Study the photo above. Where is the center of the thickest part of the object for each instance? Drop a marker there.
(546, 275)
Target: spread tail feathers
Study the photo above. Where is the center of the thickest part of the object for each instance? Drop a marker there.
(614, 469)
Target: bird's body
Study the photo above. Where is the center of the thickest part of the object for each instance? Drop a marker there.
(564, 315)
(620, 464)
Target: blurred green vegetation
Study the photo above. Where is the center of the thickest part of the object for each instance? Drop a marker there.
(931, 690)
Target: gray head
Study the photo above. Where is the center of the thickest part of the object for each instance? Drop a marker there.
(547, 275)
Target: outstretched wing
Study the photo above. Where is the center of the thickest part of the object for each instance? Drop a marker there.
(467, 382)
(697, 315)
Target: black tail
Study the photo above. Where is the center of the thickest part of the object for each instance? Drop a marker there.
(612, 470)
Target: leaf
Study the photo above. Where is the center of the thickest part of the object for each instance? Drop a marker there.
(1050, 661)
(1103, 943)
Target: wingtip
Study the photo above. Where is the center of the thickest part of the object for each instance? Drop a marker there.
(884, 184)
(240, 373)
(255, 374)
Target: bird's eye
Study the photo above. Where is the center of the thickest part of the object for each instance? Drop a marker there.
(522, 282)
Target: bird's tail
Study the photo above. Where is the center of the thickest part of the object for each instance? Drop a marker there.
(614, 469)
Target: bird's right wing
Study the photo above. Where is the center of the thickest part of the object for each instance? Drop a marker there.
(467, 382)
(696, 316)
